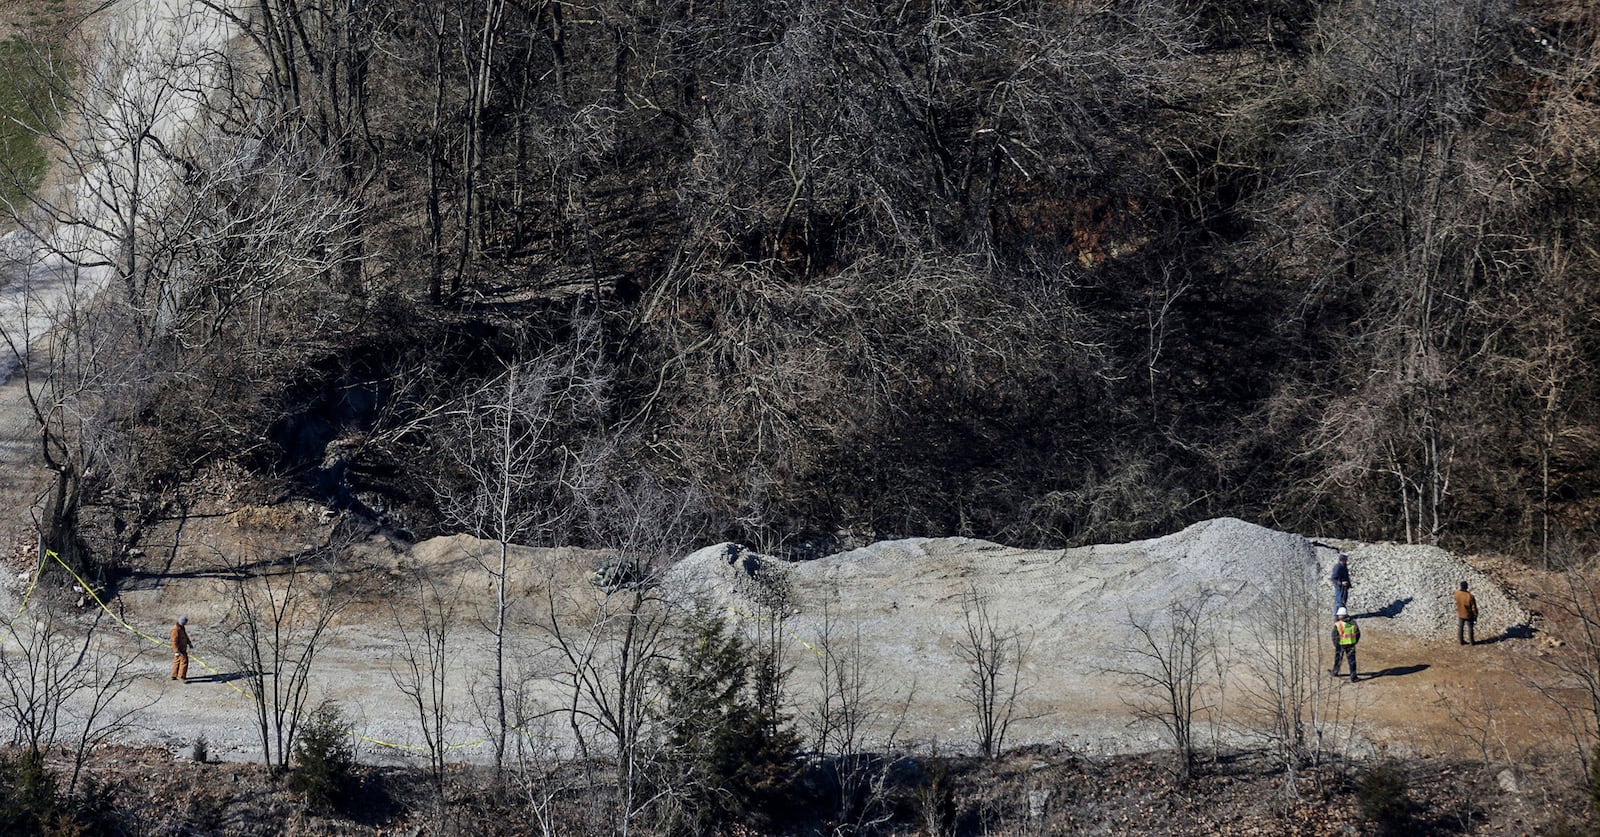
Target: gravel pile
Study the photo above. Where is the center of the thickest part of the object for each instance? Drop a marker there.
(727, 575)
(904, 603)
(1413, 587)
(1407, 588)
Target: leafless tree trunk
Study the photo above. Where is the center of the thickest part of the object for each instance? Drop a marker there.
(838, 719)
(605, 668)
(1406, 204)
(847, 707)
(435, 17)
(98, 225)
(1175, 659)
(281, 609)
(480, 35)
(163, 233)
(1546, 367)
(419, 667)
(609, 644)
(59, 686)
(1287, 690)
(514, 478)
(539, 769)
(992, 682)
(1576, 691)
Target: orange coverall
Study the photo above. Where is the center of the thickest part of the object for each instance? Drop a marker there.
(180, 652)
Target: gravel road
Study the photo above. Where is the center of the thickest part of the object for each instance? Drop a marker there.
(900, 603)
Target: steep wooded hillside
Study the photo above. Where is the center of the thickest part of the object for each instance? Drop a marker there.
(1043, 272)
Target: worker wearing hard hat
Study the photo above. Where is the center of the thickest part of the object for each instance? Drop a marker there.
(1345, 637)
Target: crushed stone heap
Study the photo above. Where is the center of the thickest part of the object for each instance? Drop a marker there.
(903, 604)
(1406, 588)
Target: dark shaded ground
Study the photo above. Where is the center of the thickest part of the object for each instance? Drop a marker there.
(1040, 790)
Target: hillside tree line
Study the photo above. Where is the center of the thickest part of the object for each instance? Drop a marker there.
(1039, 272)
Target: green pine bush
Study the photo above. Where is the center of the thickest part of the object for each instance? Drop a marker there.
(324, 761)
(730, 752)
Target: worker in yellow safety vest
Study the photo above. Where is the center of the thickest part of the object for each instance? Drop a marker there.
(1345, 637)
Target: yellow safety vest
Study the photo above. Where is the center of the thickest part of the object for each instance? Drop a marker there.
(1347, 632)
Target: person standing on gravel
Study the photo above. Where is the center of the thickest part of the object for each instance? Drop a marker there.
(1345, 637)
(180, 649)
(1466, 617)
(1341, 582)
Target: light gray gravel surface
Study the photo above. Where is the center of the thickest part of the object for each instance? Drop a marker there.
(1076, 608)
(900, 604)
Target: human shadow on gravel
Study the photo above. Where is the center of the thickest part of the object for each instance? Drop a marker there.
(1513, 632)
(1395, 671)
(1388, 611)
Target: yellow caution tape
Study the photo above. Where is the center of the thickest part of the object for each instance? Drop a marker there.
(808, 646)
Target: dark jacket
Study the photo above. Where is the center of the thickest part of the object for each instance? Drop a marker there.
(1341, 574)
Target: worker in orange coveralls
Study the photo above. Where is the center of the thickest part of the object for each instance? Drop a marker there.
(180, 650)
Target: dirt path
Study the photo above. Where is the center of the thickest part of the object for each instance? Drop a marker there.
(1423, 694)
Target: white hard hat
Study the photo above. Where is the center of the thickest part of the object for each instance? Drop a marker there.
(183, 620)
(1341, 612)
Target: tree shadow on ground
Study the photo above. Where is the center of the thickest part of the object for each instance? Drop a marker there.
(220, 677)
(1396, 671)
(1388, 611)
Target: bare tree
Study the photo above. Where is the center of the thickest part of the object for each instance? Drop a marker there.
(281, 610)
(1286, 690)
(1546, 365)
(1482, 726)
(1576, 692)
(609, 644)
(516, 468)
(1402, 205)
(91, 227)
(846, 710)
(159, 258)
(481, 34)
(419, 667)
(606, 653)
(992, 682)
(839, 716)
(307, 70)
(1175, 659)
(60, 686)
(540, 771)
